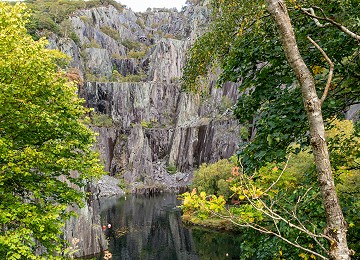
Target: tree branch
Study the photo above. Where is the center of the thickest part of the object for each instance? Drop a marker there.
(312, 12)
(283, 170)
(325, 18)
(331, 72)
(267, 231)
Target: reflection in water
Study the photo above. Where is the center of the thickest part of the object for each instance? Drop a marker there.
(151, 228)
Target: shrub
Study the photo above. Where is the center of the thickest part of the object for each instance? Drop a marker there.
(172, 169)
(92, 44)
(110, 32)
(211, 178)
(85, 19)
(140, 22)
(146, 124)
(136, 54)
(73, 36)
(101, 120)
(131, 45)
(134, 78)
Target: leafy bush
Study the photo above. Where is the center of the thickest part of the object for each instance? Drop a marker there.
(140, 22)
(92, 44)
(147, 124)
(172, 169)
(85, 19)
(293, 190)
(40, 22)
(101, 120)
(117, 77)
(134, 78)
(136, 54)
(131, 45)
(73, 36)
(211, 178)
(110, 32)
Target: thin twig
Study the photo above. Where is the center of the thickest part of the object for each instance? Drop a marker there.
(300, 199)
(331, 71)
(272, 185)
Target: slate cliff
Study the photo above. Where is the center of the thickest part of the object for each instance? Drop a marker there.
(151, 134)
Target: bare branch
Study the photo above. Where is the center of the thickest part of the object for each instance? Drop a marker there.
(340, 26)
(331, 71)
(312, 12)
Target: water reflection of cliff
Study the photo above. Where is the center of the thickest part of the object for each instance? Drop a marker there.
(151, 228)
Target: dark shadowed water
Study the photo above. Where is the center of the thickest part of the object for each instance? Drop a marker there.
(151, 228)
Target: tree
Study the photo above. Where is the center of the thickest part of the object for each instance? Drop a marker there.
(336, 226)
(244, 42)
(45, 148)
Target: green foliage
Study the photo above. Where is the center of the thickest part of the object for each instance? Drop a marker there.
(92, 44)
(242, 40)
(136, 50)
(122, 184)
(149, 124)
(225, 104)
(73, 36)
(101, 120)
(211, 178)
(111, 32)
(131, 45)
(251, 194)
(45, 149)
(172, 169)
(41, 22)
(48, 14)
(116, 76)
(344, 145)
(140, 22)
(136, 54)
(291, 190)
(200, 204)
(85, 19)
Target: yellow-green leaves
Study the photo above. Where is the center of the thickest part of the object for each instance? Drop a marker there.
(45, 150)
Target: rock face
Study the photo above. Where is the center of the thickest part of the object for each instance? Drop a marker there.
(151, 134)
(84, 231)
(156, 128)
(131, 64)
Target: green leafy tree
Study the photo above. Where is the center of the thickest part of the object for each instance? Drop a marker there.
(212, 178)
(254, 43)
(243, 41)
(45, 149)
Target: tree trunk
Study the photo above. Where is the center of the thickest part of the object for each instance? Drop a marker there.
(336, 226)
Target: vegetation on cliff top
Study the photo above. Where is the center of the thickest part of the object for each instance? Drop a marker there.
(51, 15)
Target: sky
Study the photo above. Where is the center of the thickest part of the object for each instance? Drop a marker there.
(142, 5)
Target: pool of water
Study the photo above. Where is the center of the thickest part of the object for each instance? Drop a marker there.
(151, 228)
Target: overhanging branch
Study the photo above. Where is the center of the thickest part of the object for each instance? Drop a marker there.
(331, 21)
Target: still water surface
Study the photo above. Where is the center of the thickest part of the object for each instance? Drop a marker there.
(151, 228)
